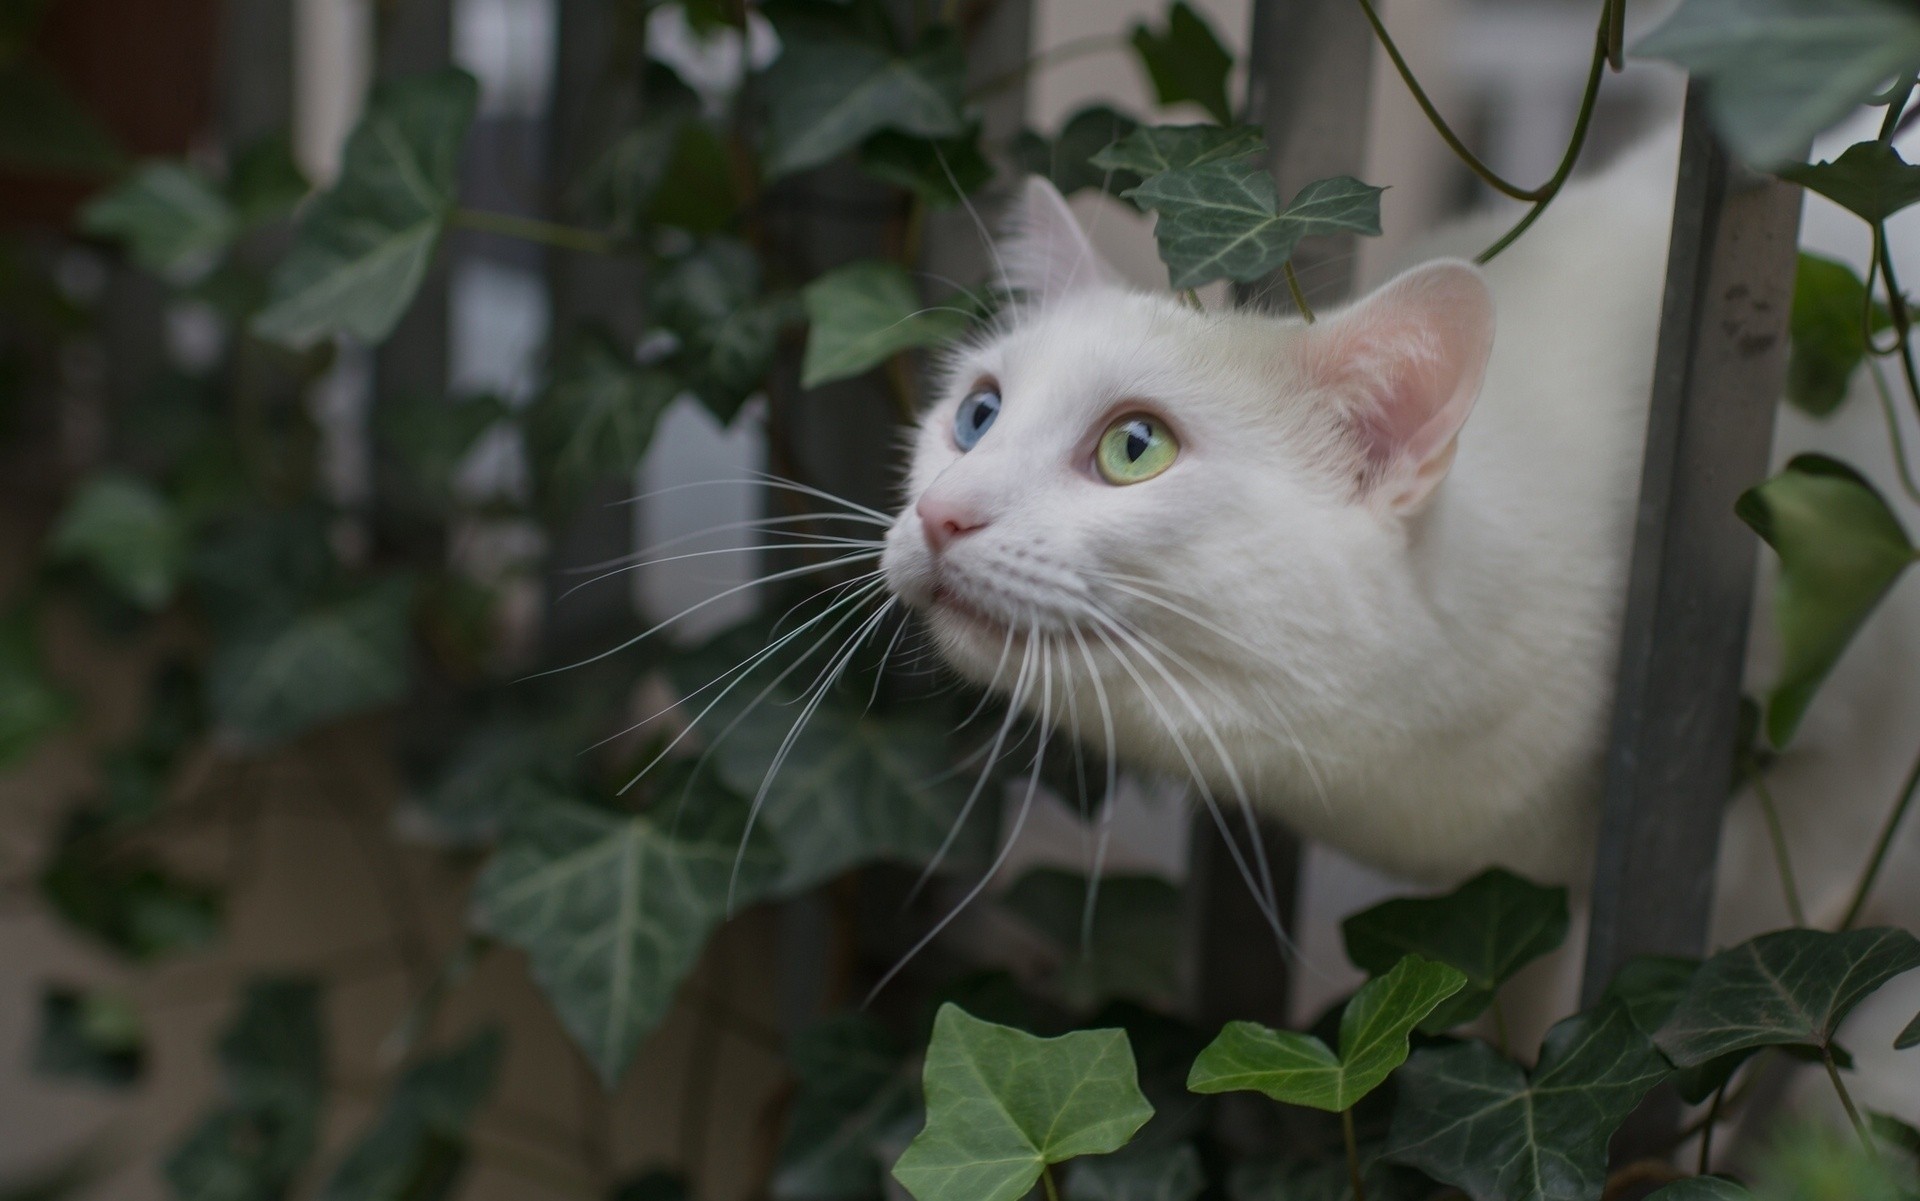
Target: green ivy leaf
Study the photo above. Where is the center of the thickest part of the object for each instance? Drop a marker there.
(1299, 1069)
(1003, 1104)
(1470, 1118)
(614, 910)
(1156, 1174)
(1488, 928)
(852, 1092)
(1325, 1180)
(826, 96)
(499, 765)
(125, 901)
(1134, 948)
(31, 706)
(596, 419)
(266, 183)
(726, 331)
(1186, 61)
(1910, 1037)
(865, 313)
(1702, 1188)
(47, 131)
(93, 1034)
(929, 168)
(705, 197)
(364, 247)
(1811, 1161)
(416, 1148)
(1151, 149)
(173, 219)
(1841, 549)
(274, 680)
(1829, 304)
(1222, 219)
(1869, 179)
(1069, 160)
(1896, 1134)
(127, 535)
(1781, 71)
(1789, 988)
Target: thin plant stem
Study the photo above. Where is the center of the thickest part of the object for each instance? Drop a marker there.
(1846, 1101)
(1894, 437)
(1299, 297)
(1777, 834)
(1897, 308)
(1353, 1155)
(1897, 106)
(1046, 1178)
(1192, 298)
(1881, 846)
(532, 229)
(1617, 34)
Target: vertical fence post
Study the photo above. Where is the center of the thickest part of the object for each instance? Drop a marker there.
(416, 36)
(1717, 381)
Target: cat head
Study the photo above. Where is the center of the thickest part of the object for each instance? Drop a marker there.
(1114, 474)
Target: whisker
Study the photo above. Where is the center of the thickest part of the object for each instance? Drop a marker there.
(725, 550)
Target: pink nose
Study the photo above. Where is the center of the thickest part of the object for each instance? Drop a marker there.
(943, 521)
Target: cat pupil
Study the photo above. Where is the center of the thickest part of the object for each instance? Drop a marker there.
(1138, 435)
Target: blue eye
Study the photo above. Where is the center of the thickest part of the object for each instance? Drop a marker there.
(974, 416)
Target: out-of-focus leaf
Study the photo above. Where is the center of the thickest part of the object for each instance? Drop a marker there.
(31, 706)
(173, 219)
(1870, 179)
(1841, 549)
(364, 246)
(1910, 1037)
(1325, 1180)
(852, 1091)
(1829, 336)
(500, 765)
(1788, 988)
(725, 329)
(416, 1149)
(1811, 1161)
(614, 910)
(263, 566)
(1150, 149)
(1157, 1174)
(125, 902)
(618, 189)
(127, 535)
(433, 436)
(1222, 219)
(1299, 1069)
(1781, 71)
(1488, 928)
(1186, 61)
(266, 183)
(1003, 1104)
(1131, 950)
(865, 313)
(1894, 1133)
(92, 1034)
(652, 1186)
(826, 96)
(704, 197)
(942, 172)
(1702, 1188)
(596, 419)
(1470, 1118)
(1072, 160)
(47, 131)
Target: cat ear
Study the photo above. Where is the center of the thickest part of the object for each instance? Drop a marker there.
(1045, 253)
(1407, 363)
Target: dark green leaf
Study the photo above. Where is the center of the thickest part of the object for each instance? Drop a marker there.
(92, 1035)
(865, 313)
(1003, 1104)
(613, 910)
(416, 1147)
(852, 1091)
(1841, 549)
(727, 332)
(363, 247)
(172, 218)
(264, 565)
(596, 419)
(1470, 1118)
(127, 535)
(826, 96)
(276, 680)
(47, 130)
(1910, 1037)
(500, 765)
(1150, 149)
(1222, 219)
(1155, 1174)
(1830, 310)
(1781, 71)
(1812, 1161)
(433, 436)
(1299, 1069)
(1131, 950)
(266, 183)
(1702, 1188)
(1489, 928)
(1186, 61)
(942, 172)
(1073, 160)
(1792, 987)
(704, 197)
(1894, 1133)
(653, 1186)
(1870, 179)
(31, 706)
(618, 190)
(125, 901)
(1326, 1180)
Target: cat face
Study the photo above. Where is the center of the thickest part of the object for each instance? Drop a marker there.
(1119, 494)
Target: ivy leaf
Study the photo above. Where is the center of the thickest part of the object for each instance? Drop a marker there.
(1222, 219)
(1781, 71)
(416, 1148)
(942, 172)
(826, 96)
(1894, 1133)
(1841, 549)
(852, 1091)
(1071, 160)
(31, 706)
(125, 902)
(266, 183)
(127, 535)
(499, 765)
(1910, 1037)
(614, 910)
(273, 680)
(1186, 62)
(93, 1034)
(865, 313)
(1869, 179)
(1299, 1069)
(47, 130)
(1702, 1188)
(1003, 1104)
(173, 219)
(1151, 149)
(1810, 1160)
(1829, 343)
(1325, 1180)
(1470, 1118)
(726, 332)
(1789, 988)
(596, 419)
(1158, 1174)
(364, 247)
(1488, 928)
(1133, 951)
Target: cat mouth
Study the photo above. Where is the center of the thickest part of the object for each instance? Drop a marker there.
(951, 603)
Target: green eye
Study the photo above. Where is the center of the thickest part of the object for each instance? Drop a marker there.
(1135, 449)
